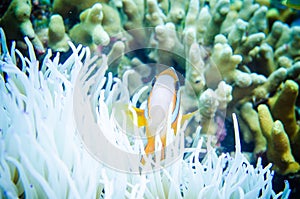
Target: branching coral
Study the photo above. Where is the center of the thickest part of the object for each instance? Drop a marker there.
(218, 15)
(227, 64)
(278, 148)
(155, 16)
(16, 21)
(250, 116)
(90, 31)
(291, 49)
(167, 41)
(63, 7)
(58, 39)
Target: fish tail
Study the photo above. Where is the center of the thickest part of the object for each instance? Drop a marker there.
(150, 147)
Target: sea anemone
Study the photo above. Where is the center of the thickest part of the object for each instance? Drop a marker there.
(43, 153)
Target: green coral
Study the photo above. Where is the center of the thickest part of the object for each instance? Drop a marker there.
(16, 22)
(57, 37)
(278, 148)
(282, 107)
(292, 48)
(63, 7)
(90, 31)
(250, 116)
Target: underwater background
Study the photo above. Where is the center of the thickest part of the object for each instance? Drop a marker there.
(75, 73)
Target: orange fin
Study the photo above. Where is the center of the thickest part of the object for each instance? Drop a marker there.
(150, 147)
(121, 107)
(187, 116)
(142, 121)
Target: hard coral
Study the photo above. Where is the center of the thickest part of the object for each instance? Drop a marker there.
(63, 7)
(278, 148)
(58, 39)
(250, 116)
(282, 107)
(90, 31)
(16, 22)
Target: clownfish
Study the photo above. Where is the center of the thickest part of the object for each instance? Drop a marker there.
(163, 98)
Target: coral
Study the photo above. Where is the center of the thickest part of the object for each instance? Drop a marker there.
(168, 41)
(236, 33)
(16, 22)
(111, 21)
(177, 11)
(250, 116)
(195, 69)
(248, 44)
(263, 57)
(42, 156)
(247, 9)
(63, 7)
(58, 39)
(211, 101)
(258, 22)
(218, 16)
(134, 11)
(270, 85)
(208, 105)
(224, 95)
(227, 65)
(115, 56)
(278, 144)
(155, 16)
(260, 89)
(204, 17)
(275, 34)
(290, 49)
(90, 31)
(282, 107)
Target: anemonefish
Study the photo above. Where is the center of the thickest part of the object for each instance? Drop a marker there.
(163, 98)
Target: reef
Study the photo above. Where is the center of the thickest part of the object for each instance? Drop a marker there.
(237, 56)
(41, 152)
(16, 21)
